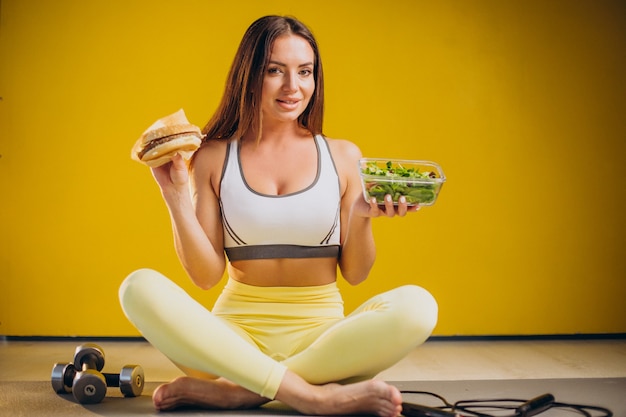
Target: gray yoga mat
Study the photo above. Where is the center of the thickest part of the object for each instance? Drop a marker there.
(38, 399)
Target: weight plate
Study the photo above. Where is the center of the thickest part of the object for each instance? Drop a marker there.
(89, 387)
(62, 377)
(132, 380)
(87, 349)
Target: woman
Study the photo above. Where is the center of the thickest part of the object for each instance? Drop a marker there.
(284, 204)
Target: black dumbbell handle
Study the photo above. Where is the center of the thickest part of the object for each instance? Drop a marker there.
(68, 375)
(89, 362)
(130, 380)
(113, 380)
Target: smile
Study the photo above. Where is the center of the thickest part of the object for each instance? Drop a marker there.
(288, 105)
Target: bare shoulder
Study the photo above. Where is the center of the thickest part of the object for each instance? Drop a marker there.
(210, 154)
(208, 162)
(345, 153)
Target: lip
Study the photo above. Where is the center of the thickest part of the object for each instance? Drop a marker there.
(288, 103)
(288, 100)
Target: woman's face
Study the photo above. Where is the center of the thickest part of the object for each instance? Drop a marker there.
(288, 83)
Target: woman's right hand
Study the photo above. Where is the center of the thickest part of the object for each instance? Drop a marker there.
(172, 177)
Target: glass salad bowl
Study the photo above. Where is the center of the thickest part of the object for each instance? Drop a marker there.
(418, 181)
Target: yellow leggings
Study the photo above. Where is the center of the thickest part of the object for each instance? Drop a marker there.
(254, 334)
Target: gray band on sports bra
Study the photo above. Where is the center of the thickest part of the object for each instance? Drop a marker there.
(281, 251)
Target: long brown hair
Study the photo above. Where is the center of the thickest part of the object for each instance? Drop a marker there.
(240, 108)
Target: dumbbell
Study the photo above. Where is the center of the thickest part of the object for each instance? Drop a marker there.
(87, 383)
(130, 381)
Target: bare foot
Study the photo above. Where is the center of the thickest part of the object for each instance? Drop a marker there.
(372, 397)
(212, 394)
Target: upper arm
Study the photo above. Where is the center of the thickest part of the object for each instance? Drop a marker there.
(346, 156)
(204, 182)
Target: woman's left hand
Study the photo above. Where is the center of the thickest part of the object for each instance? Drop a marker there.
(388, 209)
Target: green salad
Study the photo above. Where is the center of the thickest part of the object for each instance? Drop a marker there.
(416, 186)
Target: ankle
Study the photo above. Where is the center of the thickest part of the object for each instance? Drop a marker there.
(299, 394)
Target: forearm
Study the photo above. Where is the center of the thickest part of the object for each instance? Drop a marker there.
(358, 251)
(203, 262)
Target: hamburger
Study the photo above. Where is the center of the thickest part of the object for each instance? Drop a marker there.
(165, 138)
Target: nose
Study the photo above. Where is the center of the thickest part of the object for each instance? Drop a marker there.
(290, 81)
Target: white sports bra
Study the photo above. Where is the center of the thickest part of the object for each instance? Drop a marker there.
(304, 224)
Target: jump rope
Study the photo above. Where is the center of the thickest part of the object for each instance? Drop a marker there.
(496, 407)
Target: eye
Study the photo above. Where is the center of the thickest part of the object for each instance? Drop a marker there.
(274, 70)
(306, 72)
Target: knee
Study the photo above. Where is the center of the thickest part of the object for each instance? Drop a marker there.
(137, 286)
(418, 310)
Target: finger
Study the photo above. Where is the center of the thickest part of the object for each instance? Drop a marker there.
(373, 206)
(161, 169)
(390, 210)
(402, 208)
(412, 209)
(177, 160)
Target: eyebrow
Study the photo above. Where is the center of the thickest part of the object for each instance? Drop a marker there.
(306, 64)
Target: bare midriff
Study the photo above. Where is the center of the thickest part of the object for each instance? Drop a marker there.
(284, 272)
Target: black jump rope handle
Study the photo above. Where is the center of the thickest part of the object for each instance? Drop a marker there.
(529, 408)
(535, 406)
(416, 410)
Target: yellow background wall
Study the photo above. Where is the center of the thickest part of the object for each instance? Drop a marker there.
(521, 102)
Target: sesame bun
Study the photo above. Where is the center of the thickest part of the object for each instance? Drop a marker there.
(165, 138)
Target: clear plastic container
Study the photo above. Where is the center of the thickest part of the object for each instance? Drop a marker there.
(418, 181)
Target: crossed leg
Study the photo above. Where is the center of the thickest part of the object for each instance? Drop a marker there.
(372, 397)
(170, 320)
